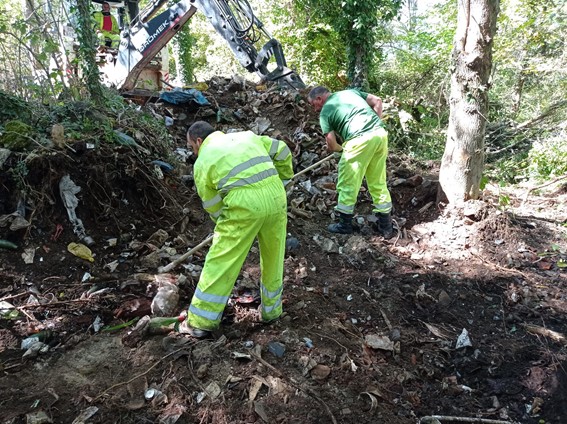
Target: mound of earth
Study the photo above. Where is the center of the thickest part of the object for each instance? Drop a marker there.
(461, 315)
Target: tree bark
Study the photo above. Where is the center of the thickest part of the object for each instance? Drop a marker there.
(87, 50)
(463, 159)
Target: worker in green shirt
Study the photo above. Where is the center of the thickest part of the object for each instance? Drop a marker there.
(355, 116)
(240, 178)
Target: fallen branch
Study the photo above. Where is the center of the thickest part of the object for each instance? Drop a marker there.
(307, 390)
(546, 332)
(524, 200)
(435, 419)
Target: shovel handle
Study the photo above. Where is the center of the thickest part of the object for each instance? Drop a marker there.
(310, 167)
(182, 258)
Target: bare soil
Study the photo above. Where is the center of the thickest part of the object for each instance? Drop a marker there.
(370, 328)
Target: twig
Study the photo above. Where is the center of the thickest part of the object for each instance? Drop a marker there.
(436, 418)
(13, 296)
(139, 375)
(524, 200)
(309, 391)
(542, 331)
(500, 267)
(388, 323)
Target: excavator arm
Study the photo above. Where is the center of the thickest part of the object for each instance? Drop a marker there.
(234, 20)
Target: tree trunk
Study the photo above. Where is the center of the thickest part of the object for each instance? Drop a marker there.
(463, 160)
(87, 50)
(358, 68)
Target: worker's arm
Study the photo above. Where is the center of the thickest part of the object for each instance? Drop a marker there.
(332, 143)
(211, 198)
(281, 156)
(375, 103)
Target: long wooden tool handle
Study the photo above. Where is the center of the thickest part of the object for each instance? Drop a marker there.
(182, 258)
(315, 165)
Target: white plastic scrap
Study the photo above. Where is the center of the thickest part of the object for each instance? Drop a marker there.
(68, 190)
(463, 340)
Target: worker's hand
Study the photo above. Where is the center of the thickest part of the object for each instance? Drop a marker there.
(288, 186)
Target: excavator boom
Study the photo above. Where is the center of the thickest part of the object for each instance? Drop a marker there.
(234, 20)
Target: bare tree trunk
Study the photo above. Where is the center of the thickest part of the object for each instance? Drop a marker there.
(463, 160)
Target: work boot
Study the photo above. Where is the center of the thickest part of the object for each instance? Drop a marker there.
(344, 226)
(185, 328)
(385, 227)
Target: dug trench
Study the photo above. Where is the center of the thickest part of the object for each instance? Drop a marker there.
(460, 315)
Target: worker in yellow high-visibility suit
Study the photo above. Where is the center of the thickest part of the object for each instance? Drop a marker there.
(240, 178)
(107, 28)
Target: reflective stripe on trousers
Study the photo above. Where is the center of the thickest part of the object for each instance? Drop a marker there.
(364, 156)
(253, 211)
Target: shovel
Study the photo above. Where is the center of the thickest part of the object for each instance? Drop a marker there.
(209, 239)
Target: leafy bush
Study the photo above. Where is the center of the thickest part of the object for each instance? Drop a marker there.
(548, 158)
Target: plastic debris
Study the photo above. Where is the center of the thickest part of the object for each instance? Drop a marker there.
(292, 244)
(38, 417)
(276, 349)
(97, 324)
(81, 251)
(463, 340)
(179, 96)
(165, 301)
(5, 244)
(308, 342)
(164, 166)
(379, 342)
(85, 415)
(68, 190)
(15, 220)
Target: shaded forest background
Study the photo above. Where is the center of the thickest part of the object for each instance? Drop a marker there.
(407, 61)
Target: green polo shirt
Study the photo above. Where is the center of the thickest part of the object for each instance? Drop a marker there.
(347, 113)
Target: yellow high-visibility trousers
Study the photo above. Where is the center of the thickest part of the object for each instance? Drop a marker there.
(364, 156)
(258, 210)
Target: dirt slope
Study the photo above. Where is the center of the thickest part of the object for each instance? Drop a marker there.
(371, 326)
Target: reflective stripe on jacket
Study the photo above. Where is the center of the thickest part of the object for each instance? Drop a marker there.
(228, 161)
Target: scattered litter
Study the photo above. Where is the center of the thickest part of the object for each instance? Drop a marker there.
(320, 372)
(349, 297)
(463, 340)
(85, 415)
(308, 342)
(81, 251)
(379, 342)
(238, 355)
(68, 191)
(276, 348)
(28, 255)
(165, 301)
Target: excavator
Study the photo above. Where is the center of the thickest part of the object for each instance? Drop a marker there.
(150, 29)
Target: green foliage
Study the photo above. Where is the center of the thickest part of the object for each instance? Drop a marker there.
(16, 136)
(12, 107)
(548, 158)
(355, 22)
(529, 50)
(19, 173)
(187, 55)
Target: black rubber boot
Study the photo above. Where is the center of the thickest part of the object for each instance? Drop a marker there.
(385, 227)
(344, 226)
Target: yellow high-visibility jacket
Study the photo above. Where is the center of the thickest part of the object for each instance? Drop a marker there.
(99, 17)
(227, 161)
